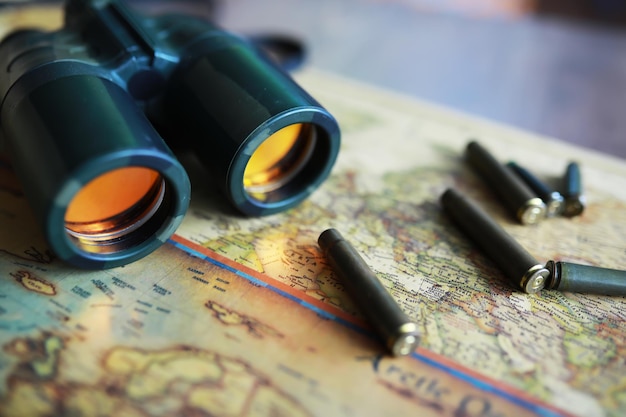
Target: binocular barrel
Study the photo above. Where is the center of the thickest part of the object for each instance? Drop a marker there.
(101, 181)
(262, 137)
(81, 116)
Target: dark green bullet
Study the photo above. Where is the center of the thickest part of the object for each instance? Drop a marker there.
(523, 271)
(527, 207)
(399, 334)
(573, 193)
(571, 277)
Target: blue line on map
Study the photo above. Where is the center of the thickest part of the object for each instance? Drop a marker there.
(485, 386)
(322, 313)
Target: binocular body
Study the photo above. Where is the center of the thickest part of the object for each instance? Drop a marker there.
(85, 111)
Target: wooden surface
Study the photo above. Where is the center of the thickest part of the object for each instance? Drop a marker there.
(549, 75)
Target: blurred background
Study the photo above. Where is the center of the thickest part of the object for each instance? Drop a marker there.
(553, 67)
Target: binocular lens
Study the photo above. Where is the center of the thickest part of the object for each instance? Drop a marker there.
(114, 205)
(278, 159)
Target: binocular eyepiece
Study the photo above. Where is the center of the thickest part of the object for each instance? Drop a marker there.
(84, 111)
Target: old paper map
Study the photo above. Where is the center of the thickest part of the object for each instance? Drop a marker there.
(242, 316)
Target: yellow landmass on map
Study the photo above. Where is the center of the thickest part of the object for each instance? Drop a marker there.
(137, 382)
(230, 317)
(33, 283)
(187, 378)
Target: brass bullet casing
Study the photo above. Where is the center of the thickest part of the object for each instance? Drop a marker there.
(519, 198)
(571, 277)
(399, 334)
(523, 271)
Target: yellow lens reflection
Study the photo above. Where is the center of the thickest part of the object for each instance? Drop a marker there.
(114, 203)
(278, 159)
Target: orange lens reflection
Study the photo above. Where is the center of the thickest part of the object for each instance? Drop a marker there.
(114, 203)
(278, 159)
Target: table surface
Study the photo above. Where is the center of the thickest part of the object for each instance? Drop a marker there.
(556, 77)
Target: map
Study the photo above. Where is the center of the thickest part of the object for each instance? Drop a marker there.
(243, 316)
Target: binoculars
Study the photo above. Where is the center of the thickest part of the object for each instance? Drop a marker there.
(87, 110)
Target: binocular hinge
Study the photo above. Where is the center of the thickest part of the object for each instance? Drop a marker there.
(124, 28)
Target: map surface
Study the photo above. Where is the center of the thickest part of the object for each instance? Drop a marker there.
(242, 316)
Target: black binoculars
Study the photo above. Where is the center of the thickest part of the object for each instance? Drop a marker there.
(85, 109)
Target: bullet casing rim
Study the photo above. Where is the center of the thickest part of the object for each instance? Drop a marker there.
(524, 212)
(530, 277)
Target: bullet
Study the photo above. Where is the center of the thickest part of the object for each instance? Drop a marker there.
(574, 199)
(553, 200)
(523, 271)
(571, 277)
(399, 334)
(527, 207)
